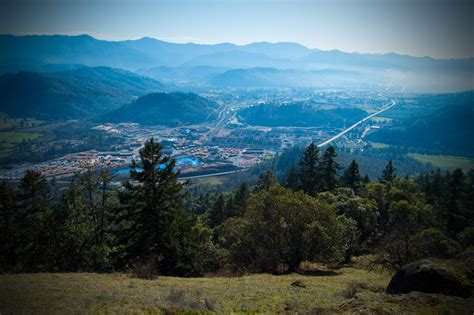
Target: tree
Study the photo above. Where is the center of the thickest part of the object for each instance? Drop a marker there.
(216, 214)
(280, 229)
(266, 180)
(37, 225)
(309, 172)
(348, 237)
(388, 173)
(407, 217)
(351, 176)
(456, 189)
(292, 180)
(8, 227)
(241, 198)
(150, 206)
(329, 168)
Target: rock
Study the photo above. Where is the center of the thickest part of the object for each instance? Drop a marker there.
(299, 284)
(431, 275)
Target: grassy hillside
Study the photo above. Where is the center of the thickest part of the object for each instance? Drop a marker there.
(327, 290)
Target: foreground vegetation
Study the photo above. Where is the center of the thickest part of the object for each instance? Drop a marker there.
(332, 291)
(152, 229)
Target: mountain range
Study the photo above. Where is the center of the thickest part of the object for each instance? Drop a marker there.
(156, 58)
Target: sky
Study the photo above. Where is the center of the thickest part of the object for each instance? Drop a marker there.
(436, 28)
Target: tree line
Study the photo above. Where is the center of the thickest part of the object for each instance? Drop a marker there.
(313, 214)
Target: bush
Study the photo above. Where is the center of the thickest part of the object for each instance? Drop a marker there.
(182, 301)
(146, 268)
(353, 288)
(433, 243)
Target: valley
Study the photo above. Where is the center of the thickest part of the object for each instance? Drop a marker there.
(223, 145)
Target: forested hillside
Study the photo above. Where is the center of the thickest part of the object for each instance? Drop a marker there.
(300, 115)
(438, 124)
(170, 109)
(79, 93)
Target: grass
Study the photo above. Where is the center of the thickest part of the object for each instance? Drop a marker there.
(444, 161)
(79, 293)
(8, 140)
(13, 123)
(208, 181)
(17, 137)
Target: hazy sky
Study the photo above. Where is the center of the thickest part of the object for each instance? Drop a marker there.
(437, 28)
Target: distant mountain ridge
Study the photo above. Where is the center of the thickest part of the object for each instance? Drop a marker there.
(42, 53)
(170, 109)
(79, 93)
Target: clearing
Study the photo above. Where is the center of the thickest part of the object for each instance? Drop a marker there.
(444, 161)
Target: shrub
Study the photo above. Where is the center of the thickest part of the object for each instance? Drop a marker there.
(146, 268)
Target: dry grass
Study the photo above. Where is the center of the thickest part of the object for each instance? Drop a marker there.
(85, 293)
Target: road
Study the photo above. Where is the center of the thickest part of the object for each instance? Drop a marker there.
(322, 144)
(213, 174)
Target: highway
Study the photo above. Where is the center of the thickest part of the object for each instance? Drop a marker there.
(322, 144)
(212, 174)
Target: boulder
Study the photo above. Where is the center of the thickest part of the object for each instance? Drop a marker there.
(431, 275)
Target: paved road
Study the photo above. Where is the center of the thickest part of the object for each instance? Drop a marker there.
(214, 174)
(322, 144)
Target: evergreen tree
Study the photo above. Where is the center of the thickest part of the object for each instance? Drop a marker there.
(309, 173)
(37, 225)
(292, 180)
(455, 195)
(329, 168)
(151, 203)
(388, 173)
(266, 180)
(351, 176)
(240, 199)
(216, 214)
(366, 179)
(8, 228)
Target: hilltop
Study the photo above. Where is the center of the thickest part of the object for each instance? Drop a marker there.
(172, 109)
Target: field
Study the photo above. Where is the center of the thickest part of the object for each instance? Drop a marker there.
(378, 120)
(8, 140)
(17, 137)
(7, 123)
(326, 291)
(445, 161)
(378, 145)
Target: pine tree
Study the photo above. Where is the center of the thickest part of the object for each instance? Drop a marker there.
(292, 180)
(266, 180)
(366, 179)
(388, 174)
(217, 212)
(310, 177)
(351, 176)
(8, 229)
(329, 168)
(151, 202)
(455, 195)
(240, 199)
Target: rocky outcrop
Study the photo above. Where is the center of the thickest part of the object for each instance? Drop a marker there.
(433, 276)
